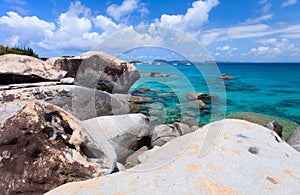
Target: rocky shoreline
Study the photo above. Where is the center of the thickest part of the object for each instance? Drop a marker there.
(71, 119)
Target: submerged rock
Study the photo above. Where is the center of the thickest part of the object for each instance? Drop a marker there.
(26, 69)
(226, 76)
(124, 132)
(200, 96)
(154, 74)
(245, 159)
(261, 119)
(83, 103)
(42, 147)
(294, 139)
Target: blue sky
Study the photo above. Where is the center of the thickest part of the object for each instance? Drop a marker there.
(253, 30)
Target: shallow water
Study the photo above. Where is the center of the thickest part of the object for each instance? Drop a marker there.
(267, 88)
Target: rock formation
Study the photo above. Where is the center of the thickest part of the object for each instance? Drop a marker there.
(25, 69)
(42, 147)
(225, 157)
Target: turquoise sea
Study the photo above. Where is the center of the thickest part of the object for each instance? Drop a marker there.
(267, 88)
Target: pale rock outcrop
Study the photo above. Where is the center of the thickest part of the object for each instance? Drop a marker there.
(225, 157)
(124, 132)
(20, 69)
(42, 147)
(83, 103)
(98, 70)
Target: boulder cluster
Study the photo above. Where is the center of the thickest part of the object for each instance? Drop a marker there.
(68, 125)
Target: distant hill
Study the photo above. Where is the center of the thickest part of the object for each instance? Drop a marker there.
(17, 50)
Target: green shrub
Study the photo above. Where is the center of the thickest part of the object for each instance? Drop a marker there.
(17, 50)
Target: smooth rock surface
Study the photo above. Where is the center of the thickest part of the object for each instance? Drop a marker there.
(83, 103)
(123, 132)
(294, 139)
(245, 159)
(100, 71)
(20, 68)
(162, 134)
(133, 159)
(42, 147)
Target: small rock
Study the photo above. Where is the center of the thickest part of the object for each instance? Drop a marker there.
(275, 126)
(68, 80)
(161, 134)
(226, 76)
(132, 160)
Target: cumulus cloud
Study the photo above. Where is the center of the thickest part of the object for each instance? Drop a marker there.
(289, 3)
(274, 47)
(126, 8)
(73, 30)
(24, 30)
(192, 20)
(224, 48)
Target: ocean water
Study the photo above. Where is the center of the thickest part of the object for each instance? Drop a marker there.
(267, 88)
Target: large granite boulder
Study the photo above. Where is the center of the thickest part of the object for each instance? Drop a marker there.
(20, 69)
(225, 157)
(100, 71)
(42, 147)
(124, 132)
(294, 139)
(83, 103)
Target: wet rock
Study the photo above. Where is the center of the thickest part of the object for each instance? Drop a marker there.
(275, 126)
(124, 132)
(294, 139)
(226, 76)
(26, 69)
(200, 96)
(42, 147)
(143, 89)
(83, 103)
(199, 104)
(236, 154)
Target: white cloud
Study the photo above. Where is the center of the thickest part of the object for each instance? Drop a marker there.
(262, 1)
(245, 31)
(235, 32)
(224, 48)
(126, 8)
(106, 24)
(192, 20)
(24, 30)
(73, 32)
(289, 3)
(259, 19)
(274, 47)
